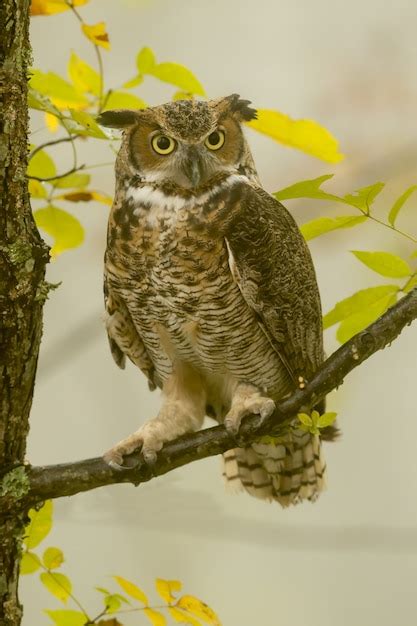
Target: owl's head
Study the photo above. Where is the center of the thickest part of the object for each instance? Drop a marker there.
(186, 142)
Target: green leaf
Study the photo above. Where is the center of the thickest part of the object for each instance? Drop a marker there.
(67, 618)
(72, 180)
(122, 100)
(305, 135)
(40, 102)
(61, 92)
(133, 82)
(58, 584)
(398, 204)
(307, 189)
(305, 419)
(84, 77)
(62, 226)
(384, 263)
(131, 589)
(39, 526)
(357, 322)
(29, 563)
(41, 165)
(53, 558)
(145, 60)
(315, 417)
(88, 123)
(410, 284)
(155, 617)
(112, 603)
(327, 419)
(323, 225)
(356, 303)
(177, 75)
(363, 198)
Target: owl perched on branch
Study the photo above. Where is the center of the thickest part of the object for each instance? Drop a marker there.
(210, 290)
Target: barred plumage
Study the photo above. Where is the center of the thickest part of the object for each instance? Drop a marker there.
(210, 290)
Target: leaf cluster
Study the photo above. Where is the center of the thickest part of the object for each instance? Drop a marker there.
(183, 609)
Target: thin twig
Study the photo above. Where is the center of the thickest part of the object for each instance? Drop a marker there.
(71, 171)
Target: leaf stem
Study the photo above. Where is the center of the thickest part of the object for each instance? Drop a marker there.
(48, 571)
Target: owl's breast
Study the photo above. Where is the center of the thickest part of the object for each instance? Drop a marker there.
(183, 299)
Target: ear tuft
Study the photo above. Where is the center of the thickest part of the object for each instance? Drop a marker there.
(242, 108)
(119, 118)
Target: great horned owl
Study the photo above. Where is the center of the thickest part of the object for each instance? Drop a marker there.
(210, 290)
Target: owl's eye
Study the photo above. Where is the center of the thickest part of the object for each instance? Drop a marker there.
(162, 144)
(215, 140)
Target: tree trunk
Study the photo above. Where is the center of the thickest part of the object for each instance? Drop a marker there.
(23, 257)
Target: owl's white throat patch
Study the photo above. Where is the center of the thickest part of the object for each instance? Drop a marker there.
(147, 194)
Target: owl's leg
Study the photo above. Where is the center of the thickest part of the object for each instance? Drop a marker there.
(182, 411)
(247, 399)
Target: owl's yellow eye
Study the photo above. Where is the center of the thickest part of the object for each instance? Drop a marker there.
(215, 140)
(162, 144)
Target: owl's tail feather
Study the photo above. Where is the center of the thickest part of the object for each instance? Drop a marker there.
(285, 471)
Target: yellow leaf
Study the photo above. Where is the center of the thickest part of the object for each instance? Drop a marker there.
(356, 303)
(61, 93)
(84, 77)
(58, 584)
(199, 609)
(145, 60)
(131, 589)
(52, 558)
(305, 135)
(88, 123)
(357, 322)
(156, 618)
(323, 225)
(41, 165)
(122, 100)
(50, 7)
(182, 618)
(39, 526)
(29, 563)
(65, 229)
(384, 263)
(166, 587)
(68, 618)
(72, 180)
(51, 122)
(101, 197)
(97, 34)
(36, 189)
(177, 75)
(182, 95)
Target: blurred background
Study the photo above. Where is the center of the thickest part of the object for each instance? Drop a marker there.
(350, 558)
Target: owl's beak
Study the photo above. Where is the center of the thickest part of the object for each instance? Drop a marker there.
(193, 166)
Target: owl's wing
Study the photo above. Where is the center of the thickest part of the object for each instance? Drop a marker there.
(271, 263)
(123, 337)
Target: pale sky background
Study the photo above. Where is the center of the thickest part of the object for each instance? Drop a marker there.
(351, 558)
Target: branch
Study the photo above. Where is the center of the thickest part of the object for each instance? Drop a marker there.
(55, 481)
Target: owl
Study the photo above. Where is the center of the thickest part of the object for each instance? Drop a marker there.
(211, 291)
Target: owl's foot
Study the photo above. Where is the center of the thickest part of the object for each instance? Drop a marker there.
(148, 440)
(247, 400)
(182, 412)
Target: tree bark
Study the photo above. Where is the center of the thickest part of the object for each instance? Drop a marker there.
(23, 257)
